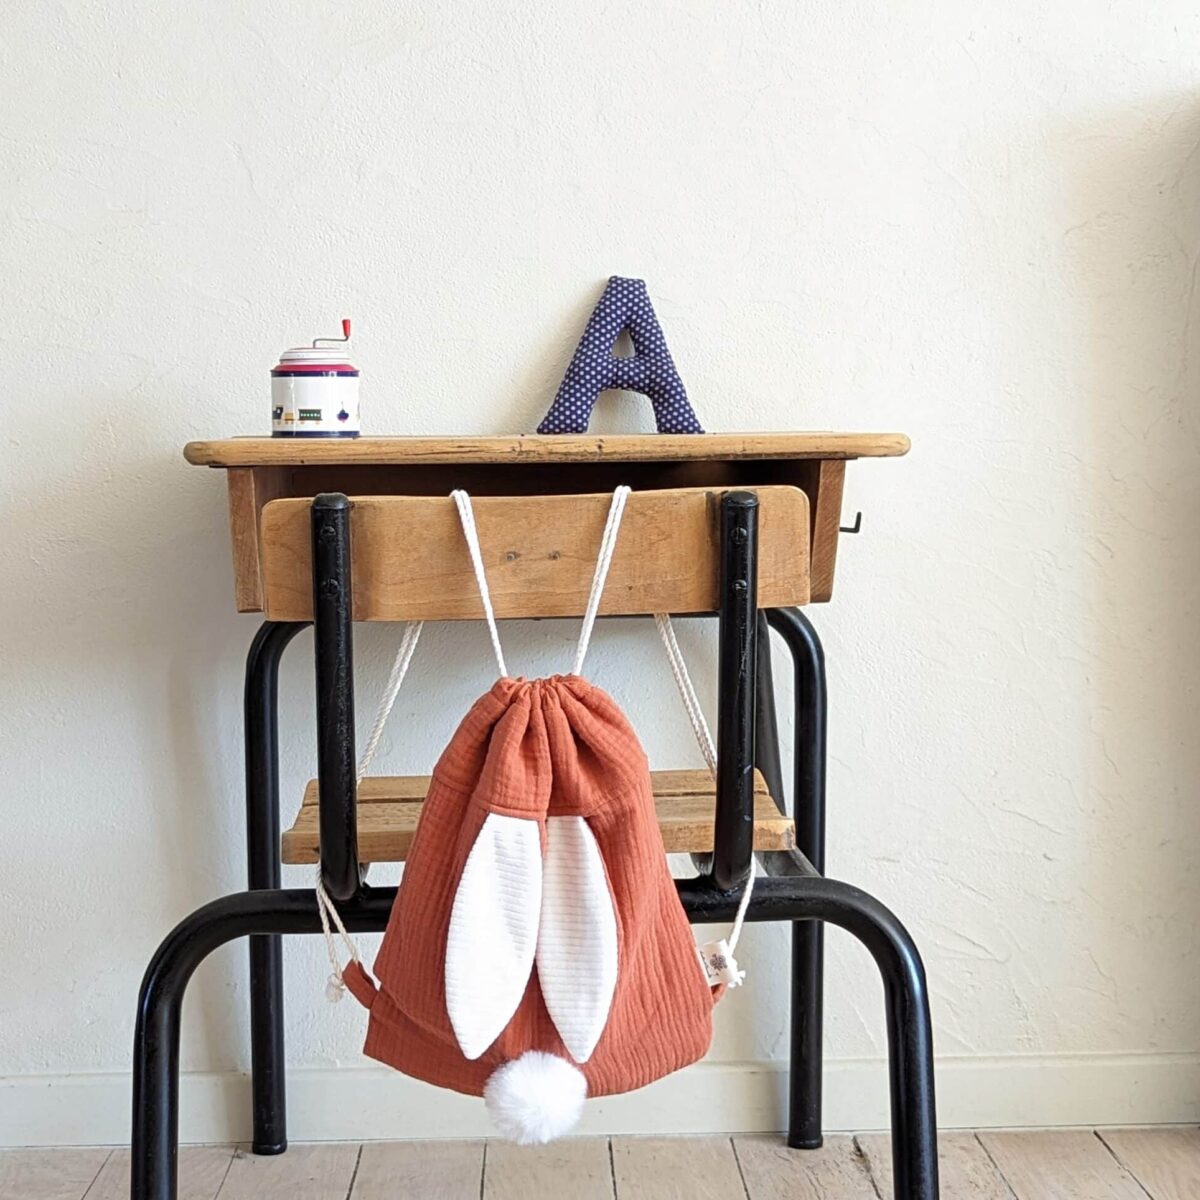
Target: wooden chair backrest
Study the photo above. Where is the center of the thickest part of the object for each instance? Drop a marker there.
(409, 560)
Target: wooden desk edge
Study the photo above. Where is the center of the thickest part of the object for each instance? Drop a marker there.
(259, 470)
(535, 448)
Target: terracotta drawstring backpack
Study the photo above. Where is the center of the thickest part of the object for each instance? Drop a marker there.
(537, 952)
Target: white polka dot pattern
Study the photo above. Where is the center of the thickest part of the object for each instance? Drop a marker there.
(651, 371)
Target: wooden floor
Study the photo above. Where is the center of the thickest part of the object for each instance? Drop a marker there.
(1132, 1164)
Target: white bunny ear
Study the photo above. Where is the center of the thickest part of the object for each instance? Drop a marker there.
(577, 943)
(493, 930)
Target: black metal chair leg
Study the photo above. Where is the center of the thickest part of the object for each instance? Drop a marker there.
(806, 1064)
(808, 938)
(813, 898)
(155, 1139)
(737, 684)
(910, 1043)
(261, 716)
(799, 898)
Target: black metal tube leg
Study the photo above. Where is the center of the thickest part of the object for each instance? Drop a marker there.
(812, 899)
(268, 912)
(733, 824)
(155, 1131)
(261, 709)
(910, 1069)
(333, 643)
(805, 1079)
(808, 937)
(154, 1144)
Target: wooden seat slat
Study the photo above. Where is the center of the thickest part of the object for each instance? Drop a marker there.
(390, 806)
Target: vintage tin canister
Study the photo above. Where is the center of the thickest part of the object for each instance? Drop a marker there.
(314, 391)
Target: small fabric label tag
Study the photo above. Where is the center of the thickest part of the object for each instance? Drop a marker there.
(719, 965)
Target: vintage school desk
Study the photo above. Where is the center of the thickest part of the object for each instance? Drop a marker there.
(789, 842)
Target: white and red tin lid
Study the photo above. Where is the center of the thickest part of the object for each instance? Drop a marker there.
(316, 360)
(307, 360)
(313, 360)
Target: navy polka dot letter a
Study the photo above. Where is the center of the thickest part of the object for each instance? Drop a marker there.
(624, 305)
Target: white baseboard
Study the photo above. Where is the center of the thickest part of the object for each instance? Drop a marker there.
(368, 1103)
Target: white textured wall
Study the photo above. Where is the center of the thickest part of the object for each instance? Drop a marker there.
(976, 223)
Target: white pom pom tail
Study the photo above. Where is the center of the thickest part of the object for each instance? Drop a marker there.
(535, 1098)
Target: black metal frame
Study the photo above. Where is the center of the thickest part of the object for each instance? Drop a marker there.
(261, 716)
(794, 891)
(808, 937)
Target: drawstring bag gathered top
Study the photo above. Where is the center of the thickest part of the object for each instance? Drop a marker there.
(537, 952)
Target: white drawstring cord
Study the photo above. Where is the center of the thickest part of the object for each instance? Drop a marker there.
(608, 543)
(743, 904)
(716, 958)
(408, 644)
(687, 692)
(467, 517)
(336, 987)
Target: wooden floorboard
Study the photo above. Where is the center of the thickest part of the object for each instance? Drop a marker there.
(965, 1169)
(316, 1172)
(202, 1170)
(837, 1171)
(578, 1168)
(1113, 1164)
(1166, 1162)
(429, 1170)
(676, 1168)
(59, 1174)
(1065, 1164)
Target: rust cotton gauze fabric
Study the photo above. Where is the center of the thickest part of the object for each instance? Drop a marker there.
(539, 752)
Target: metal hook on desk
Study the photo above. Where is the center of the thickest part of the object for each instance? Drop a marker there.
(855, 528)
